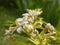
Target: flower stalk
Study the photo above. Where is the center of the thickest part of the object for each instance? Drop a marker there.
(39, 31)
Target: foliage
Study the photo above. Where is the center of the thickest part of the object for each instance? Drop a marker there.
(51, 8)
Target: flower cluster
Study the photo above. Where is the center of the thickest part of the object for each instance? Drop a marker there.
(39, 31)
(50, 29)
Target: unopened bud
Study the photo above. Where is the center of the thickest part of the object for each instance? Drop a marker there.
(52, 38)
(33, 35)
(19, 29)
(53, 33)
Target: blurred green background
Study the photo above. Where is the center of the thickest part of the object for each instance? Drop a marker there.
(12, 9)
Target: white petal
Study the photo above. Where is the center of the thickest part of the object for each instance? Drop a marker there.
(8, 32)
(29, 26)
(19, 19)
(33, 35)
(48, 25)
(52, 28)
(30, 20)
(19, 29)
(25, 14)
(40, 23)
(39, 12)
(52, 37)
(25, 18)
(24, 22)
(34, 13)
(30, 13)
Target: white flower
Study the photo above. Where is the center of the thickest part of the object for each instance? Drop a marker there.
(8, 32)
(52, 28)
(40, 23)
(31, 20)
(48, 25)
(34, 13)
(52, 37)
(19, 29)
(35, 31)
(53, 33)
(24, 22)
(19, 19)
(25, 14)
(33, 34)
(29, 26)
(25, 18)
(37, 13)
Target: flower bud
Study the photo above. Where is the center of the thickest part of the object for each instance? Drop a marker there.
(25, 14)
(53, 33)
(35, 31)
(31, 20)
(33, 35)
(40, 23)
(48, 25)
(7, 32)
(24, 22)
(52, 28)
(18, 21)
(29, 26)
(19, 29)
(52, 38)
